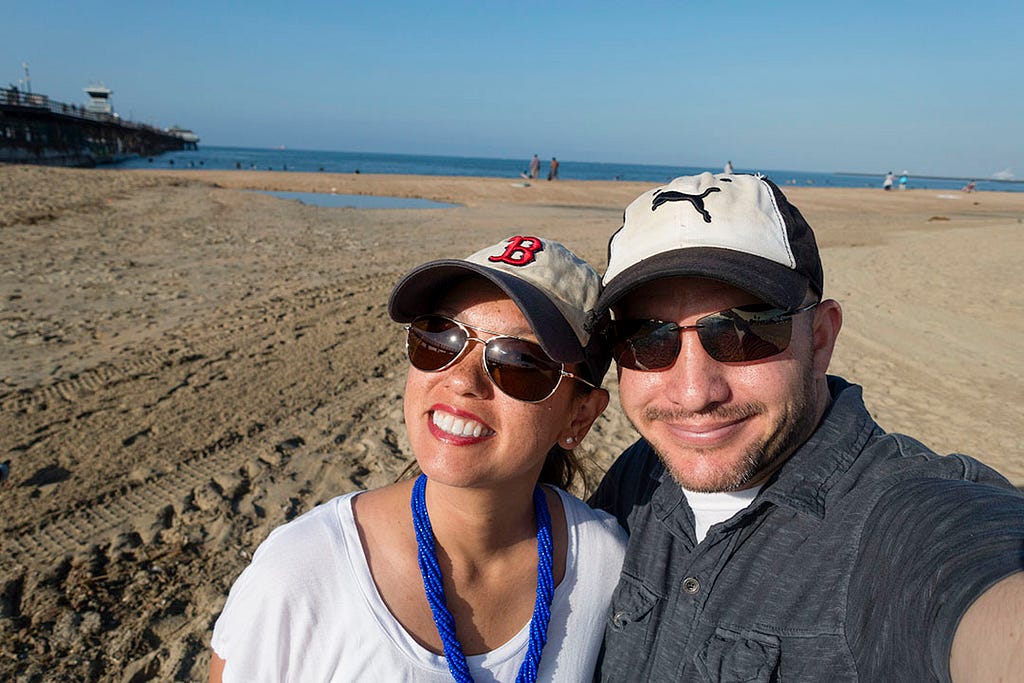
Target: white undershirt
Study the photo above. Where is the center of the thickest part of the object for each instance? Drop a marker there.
(711, 508)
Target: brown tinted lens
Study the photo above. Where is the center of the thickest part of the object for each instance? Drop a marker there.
(434, 342)
(739, 335)
(645, 344)
(521, 369)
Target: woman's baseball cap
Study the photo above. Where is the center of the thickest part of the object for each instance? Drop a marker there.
(556, 291)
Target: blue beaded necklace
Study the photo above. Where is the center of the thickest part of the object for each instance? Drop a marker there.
(434, 588)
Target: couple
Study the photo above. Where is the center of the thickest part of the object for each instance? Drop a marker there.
(775, 532)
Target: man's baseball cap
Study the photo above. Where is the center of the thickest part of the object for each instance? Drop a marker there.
(556, 291)
(735, 228)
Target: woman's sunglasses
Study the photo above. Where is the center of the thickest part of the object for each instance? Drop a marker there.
(518, 367)
(735, 335)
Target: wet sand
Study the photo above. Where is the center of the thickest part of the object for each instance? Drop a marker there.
(185, 366)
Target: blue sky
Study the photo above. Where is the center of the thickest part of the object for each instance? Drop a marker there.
(933, 87)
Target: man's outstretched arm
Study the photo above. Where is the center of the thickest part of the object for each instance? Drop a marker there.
(989, 642)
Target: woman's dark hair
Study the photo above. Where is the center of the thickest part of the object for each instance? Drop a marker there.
(562, 469)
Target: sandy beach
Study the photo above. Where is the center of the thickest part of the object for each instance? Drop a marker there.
(185, 365)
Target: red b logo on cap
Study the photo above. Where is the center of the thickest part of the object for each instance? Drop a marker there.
(521, 250)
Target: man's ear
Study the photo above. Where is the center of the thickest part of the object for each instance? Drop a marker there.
(828, 319)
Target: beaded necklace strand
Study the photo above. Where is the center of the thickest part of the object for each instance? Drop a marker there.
(434, 587)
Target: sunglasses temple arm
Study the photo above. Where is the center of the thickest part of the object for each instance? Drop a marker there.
(579, 379)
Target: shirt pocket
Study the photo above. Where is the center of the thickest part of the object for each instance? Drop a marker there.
(630, 613)
(745, 655)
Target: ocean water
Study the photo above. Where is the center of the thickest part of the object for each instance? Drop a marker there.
(243, 158)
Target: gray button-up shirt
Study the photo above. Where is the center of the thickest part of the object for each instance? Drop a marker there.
(854, 562)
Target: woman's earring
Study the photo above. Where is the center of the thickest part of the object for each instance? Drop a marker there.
(569, 441)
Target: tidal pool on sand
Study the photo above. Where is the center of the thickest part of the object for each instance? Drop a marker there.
(359, 201)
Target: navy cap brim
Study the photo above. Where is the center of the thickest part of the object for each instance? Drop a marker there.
(769, 281)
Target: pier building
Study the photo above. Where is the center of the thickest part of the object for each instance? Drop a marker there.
(37, 130)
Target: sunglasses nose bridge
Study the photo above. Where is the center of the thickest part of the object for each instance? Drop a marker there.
(471, 344)
(695, 380)
(685, 341)
(692, 343)
(682, 339)
(468, 374)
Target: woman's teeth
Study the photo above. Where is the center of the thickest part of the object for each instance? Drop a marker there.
(459, 426)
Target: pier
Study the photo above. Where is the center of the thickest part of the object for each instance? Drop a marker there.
(37, 130)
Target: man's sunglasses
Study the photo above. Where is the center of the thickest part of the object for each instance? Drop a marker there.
(518, 367)
(735, 335)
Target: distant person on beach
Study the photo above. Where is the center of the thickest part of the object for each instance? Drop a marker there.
(482, 567)
(970, 186)
(890, 178)
(534, 166)
(728, 167)
(553, 173)
(776, 532)
(903, 180)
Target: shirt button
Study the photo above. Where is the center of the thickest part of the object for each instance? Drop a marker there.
(691, 585)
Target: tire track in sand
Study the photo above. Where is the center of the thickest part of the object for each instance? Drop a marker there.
(150, 504)
(106, 375)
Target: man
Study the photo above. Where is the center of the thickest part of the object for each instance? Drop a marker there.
(776, 532)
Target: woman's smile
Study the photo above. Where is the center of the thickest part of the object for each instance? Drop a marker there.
(447, 422)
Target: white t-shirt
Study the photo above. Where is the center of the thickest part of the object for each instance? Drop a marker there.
(306, 609)
(710, 509)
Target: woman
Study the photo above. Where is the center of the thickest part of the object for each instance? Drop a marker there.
(472, 571)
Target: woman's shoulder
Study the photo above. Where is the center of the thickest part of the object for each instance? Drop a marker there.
(319, 530)
(588, 520)
(300, 577)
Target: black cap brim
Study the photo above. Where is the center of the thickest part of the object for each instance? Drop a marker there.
(769, 281)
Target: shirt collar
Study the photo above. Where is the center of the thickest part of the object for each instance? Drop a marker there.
(804, 481)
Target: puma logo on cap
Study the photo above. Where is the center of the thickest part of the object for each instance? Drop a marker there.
(697, 200)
